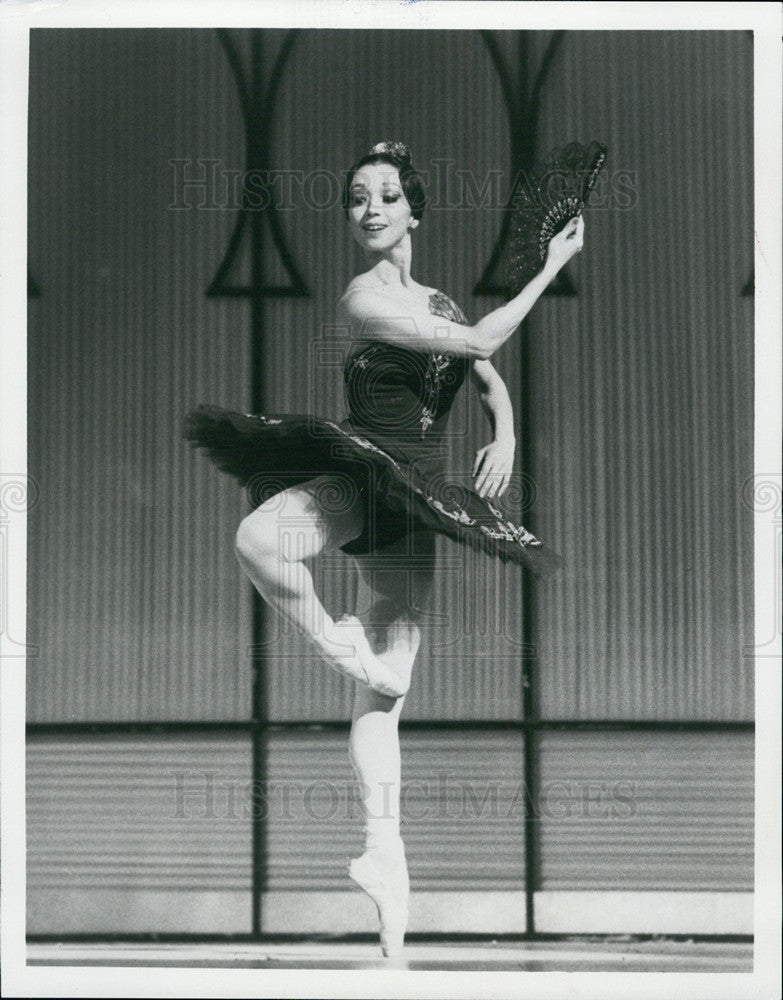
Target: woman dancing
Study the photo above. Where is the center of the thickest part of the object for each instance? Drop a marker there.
(374, 486)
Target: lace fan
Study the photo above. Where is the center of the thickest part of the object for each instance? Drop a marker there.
(544, 200)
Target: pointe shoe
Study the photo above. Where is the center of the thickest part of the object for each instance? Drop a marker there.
(389, 890)
(349, 652)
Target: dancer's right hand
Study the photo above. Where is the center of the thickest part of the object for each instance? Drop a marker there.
(568, 242)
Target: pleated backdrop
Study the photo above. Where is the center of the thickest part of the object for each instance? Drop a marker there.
(637, 409)
(643, 389)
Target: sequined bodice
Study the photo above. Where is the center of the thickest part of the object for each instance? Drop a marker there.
(401, 396)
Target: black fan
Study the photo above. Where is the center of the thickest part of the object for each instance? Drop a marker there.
(542, 203)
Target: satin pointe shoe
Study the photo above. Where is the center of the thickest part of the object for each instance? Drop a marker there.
(389, 890)
(348, 651)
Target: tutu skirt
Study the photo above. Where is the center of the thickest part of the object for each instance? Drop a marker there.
(403, 490)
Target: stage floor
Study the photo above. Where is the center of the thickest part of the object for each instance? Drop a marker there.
(595, 955)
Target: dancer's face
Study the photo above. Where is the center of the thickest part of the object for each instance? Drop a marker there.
(379, 214)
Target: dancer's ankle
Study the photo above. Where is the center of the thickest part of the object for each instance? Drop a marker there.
(385, 850)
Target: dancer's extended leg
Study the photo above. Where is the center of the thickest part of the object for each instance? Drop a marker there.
(395, 587)
(381, 871)
(272, 545)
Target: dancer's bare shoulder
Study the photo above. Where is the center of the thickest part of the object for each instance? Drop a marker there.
(373, 288)
(380, 307)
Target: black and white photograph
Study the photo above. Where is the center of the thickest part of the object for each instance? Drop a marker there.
(390, 499)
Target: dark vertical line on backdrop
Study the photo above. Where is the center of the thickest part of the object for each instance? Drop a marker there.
(532, 707)
(257, 160)
(267, 105)
(512, 97)
(524, 145)
(256, 100)
(472, 150)
(522, 111)
(257, 106)
(523, 105)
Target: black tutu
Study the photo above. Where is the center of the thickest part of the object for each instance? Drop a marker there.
(389, 451)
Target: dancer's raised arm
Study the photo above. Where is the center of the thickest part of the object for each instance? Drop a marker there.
(374, 315)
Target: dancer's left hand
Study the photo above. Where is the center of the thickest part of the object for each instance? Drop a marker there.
(492, 468)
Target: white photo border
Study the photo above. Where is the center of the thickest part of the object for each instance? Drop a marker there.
(16, 20)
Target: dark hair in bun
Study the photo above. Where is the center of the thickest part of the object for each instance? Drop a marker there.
(397, 155)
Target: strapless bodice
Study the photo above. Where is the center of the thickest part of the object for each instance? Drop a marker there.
(400, 396)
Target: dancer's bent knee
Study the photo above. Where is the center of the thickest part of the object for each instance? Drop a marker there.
(258, 540)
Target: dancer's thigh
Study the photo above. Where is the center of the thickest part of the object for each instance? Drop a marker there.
(302, 521)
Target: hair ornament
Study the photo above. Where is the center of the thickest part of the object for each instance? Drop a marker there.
(393, 148)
